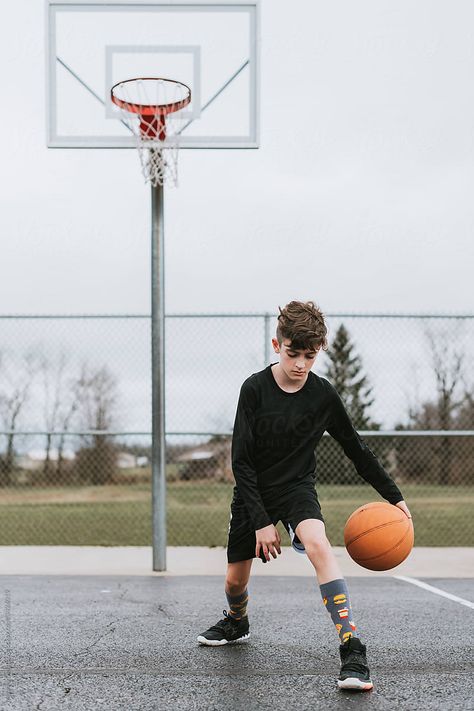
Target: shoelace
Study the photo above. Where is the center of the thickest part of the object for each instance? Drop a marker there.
(223, 624)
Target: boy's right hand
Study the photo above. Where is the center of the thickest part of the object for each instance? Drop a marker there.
(268, 541)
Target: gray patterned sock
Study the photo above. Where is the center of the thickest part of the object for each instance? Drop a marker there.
(336, 599)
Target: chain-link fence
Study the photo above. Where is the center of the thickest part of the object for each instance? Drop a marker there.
(75, 439)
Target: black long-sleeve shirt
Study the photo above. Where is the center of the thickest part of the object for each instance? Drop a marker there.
(275, 436)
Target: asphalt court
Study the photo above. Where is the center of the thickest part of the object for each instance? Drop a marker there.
(128, 642)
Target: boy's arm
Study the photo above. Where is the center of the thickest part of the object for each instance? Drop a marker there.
(242, 460)
(365, 461)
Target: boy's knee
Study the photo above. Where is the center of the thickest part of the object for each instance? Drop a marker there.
(235, 585)
(317, 546)
(236, 579)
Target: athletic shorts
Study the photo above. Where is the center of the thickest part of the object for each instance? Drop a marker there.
(295, 506)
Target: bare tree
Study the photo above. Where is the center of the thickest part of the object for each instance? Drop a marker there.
(97, 397)
(465, 415)
(59, 405)
(16, 379)
(67, 415)
(465, 419)
(441, 413)
(447, 367)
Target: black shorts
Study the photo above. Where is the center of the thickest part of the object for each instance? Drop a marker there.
(292, 508)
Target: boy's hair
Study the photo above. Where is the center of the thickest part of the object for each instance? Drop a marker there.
(303, 324)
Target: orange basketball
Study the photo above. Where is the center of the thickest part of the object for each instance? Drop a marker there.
(378, 536)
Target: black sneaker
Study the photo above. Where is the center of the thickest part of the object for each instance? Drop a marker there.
(355, 673)
(226, 631)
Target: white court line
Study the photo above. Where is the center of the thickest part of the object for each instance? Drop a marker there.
(437, 591)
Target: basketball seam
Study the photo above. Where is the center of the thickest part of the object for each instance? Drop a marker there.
(380, 555)
(375, 528)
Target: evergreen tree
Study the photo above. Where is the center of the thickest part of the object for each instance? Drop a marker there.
(345, 372)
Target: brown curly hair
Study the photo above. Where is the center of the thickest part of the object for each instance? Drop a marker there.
(303, 324)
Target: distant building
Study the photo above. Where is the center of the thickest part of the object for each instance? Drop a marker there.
(125, 460)
(35, 458)
(208, 461)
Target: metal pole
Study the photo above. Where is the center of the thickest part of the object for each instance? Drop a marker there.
(267, 349)
(158, 457)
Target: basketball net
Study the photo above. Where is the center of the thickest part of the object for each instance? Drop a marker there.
(152, 110)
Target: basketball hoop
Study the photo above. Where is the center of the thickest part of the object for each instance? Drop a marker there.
(151, 108)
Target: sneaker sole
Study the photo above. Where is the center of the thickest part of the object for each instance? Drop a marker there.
(355, 684)
(221, 642)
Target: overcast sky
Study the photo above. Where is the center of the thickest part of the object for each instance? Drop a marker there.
(360, 196)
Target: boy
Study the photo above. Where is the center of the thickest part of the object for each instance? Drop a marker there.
(282, 414)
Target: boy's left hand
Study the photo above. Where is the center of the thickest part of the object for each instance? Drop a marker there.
(402, 505)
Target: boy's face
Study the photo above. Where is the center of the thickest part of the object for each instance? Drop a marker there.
(295, 363)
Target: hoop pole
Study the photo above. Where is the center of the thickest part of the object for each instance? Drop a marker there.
(158, 380)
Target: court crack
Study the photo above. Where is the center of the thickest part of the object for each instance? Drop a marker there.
(64, 680)
(107, 633)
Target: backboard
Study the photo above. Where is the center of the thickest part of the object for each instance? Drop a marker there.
(210, 46)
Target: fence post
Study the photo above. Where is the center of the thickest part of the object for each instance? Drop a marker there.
(266, 349)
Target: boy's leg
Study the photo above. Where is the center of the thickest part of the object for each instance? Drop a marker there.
(354, 669)
(332, 585)
(236, 588)
(240, 554)
(312, 533)
(234, 627)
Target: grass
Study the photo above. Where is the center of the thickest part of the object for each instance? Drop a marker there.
(198, 514)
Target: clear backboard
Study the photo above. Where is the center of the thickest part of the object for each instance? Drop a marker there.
(212, 47)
